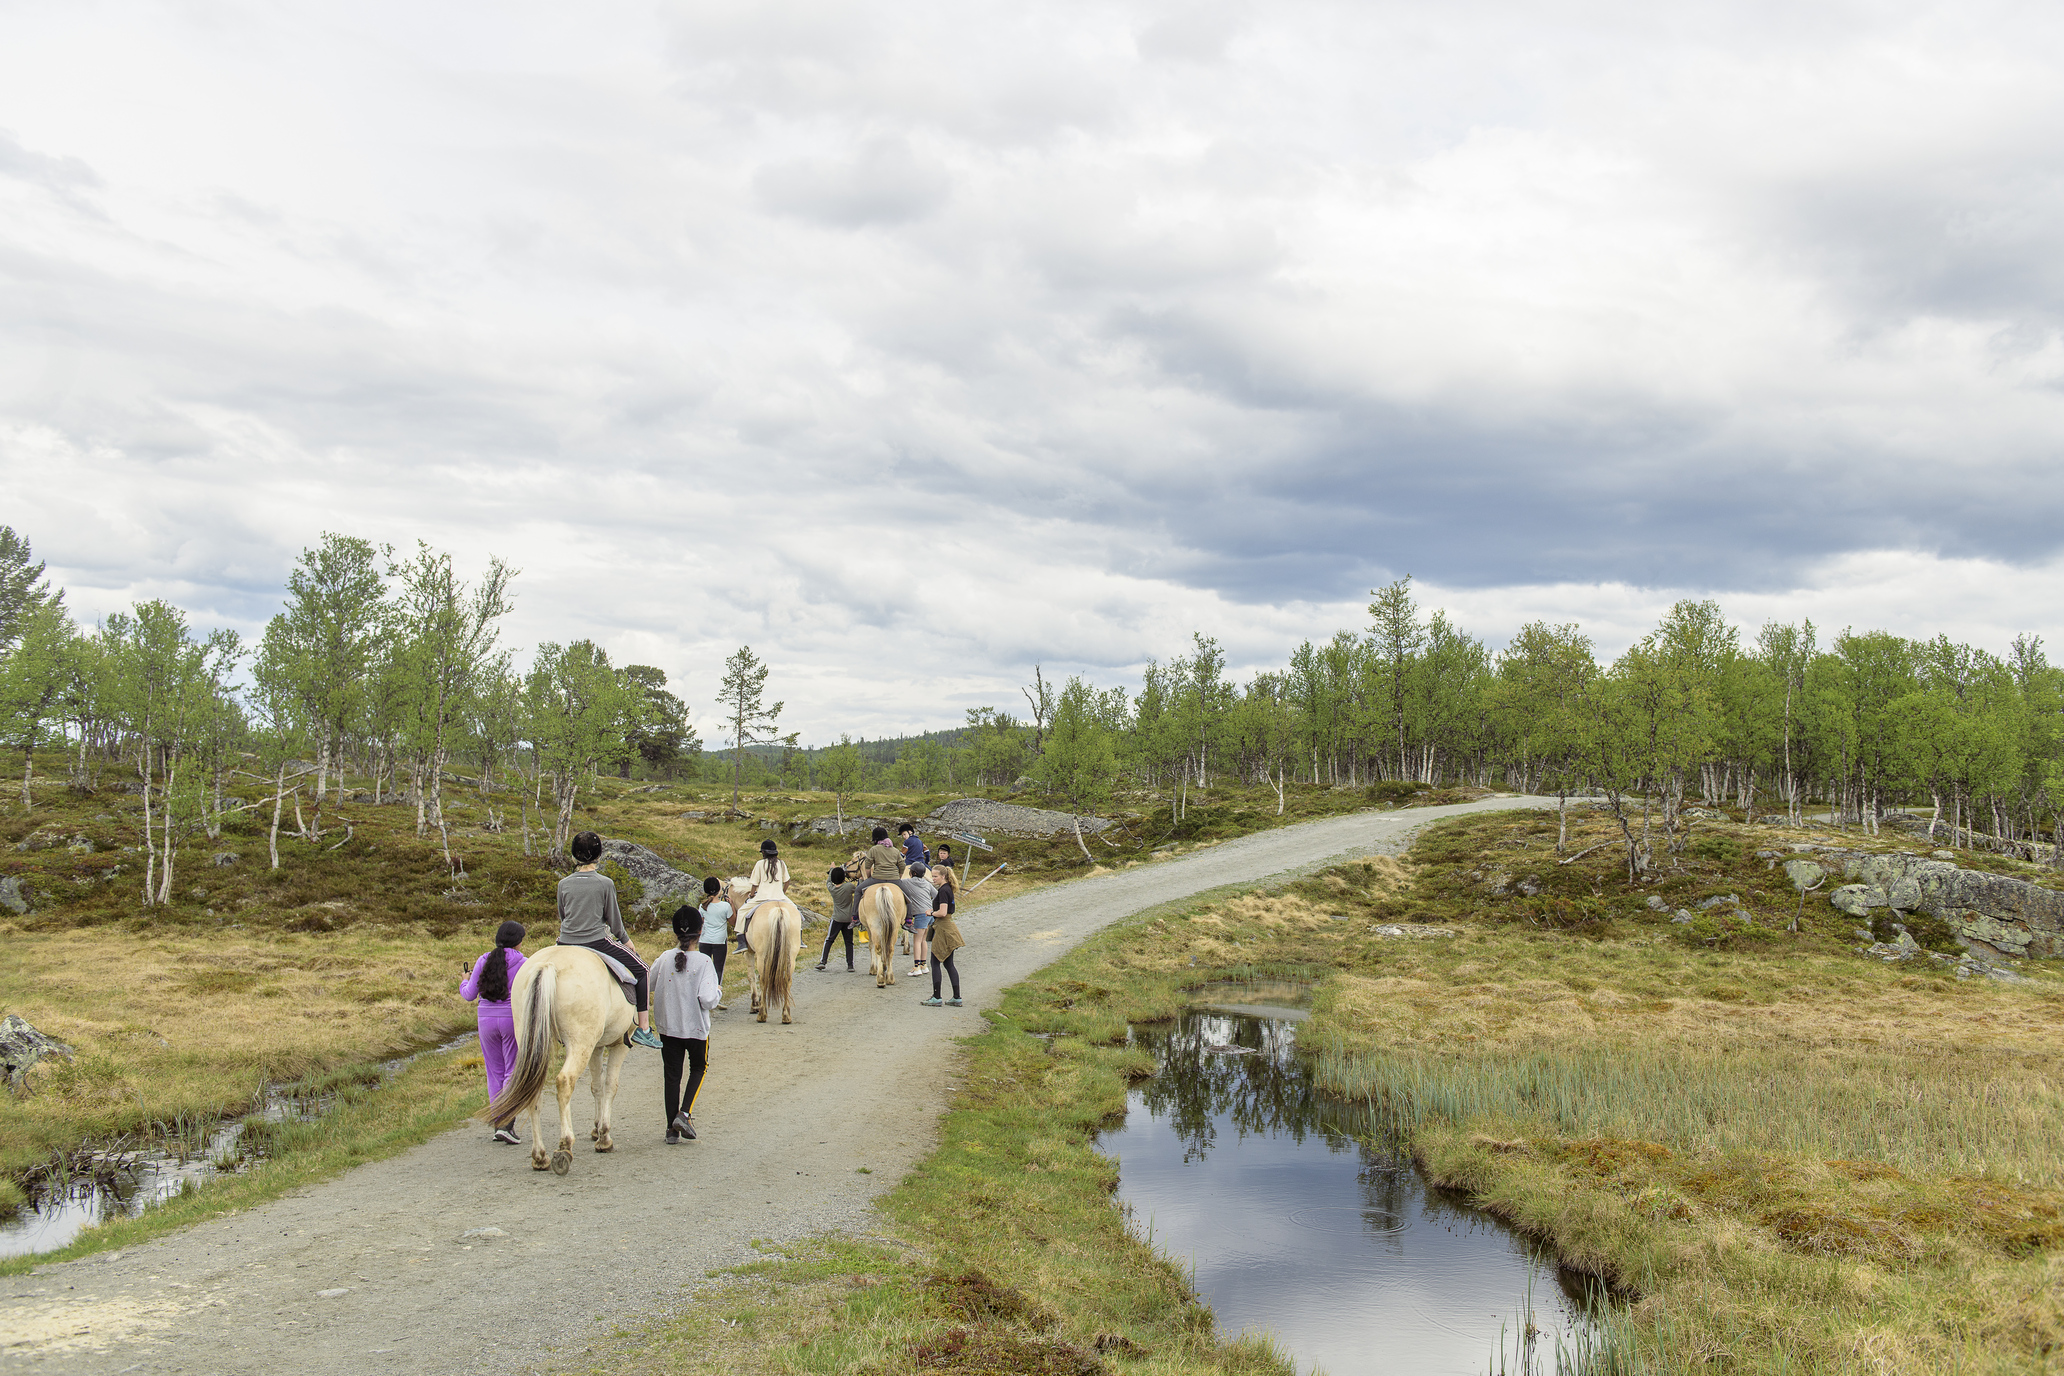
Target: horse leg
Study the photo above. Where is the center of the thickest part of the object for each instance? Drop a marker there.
(603, 1065)
(569, 1076)
(605, 1099)
(539, 1161)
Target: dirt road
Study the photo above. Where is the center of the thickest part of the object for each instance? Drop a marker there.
(380, 1270)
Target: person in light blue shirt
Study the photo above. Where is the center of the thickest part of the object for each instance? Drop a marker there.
(716, 927)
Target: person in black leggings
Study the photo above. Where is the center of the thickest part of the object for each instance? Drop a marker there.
(716, 922)
(845, 910)
(946, 941)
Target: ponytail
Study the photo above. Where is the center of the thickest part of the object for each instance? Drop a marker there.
(494, 976)
(680, 960)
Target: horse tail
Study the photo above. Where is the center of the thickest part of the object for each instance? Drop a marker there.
(533, 1057)
(782, 953)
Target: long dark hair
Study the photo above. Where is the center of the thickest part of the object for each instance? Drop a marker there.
(494, 975)
(770, 856)
(687, 931)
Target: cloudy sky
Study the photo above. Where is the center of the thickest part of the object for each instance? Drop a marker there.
(915, 343)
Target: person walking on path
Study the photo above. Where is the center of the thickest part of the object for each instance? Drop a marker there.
(489, 981)
(716, 929)
(589, 916)
(920, 916)
(945, 940)
(845, 911)
(684, 989)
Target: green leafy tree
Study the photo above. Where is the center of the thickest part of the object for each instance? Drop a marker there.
(580, 711)
(661, 736)
(1395, 635)
(35, 670)
(841, 769)
(752, 722)
(23, 588)
(1081, 760)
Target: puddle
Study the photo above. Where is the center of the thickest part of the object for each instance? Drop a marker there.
(1297, 1224)
(122, 1181)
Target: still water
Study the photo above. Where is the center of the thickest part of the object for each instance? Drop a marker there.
(1297, 1224)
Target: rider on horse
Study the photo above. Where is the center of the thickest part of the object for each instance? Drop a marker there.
(589, 916)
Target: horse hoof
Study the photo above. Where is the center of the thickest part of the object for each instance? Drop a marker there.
(562, 1162)
(605, 1146)
(539, 1163)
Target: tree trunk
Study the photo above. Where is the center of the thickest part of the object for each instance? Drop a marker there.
(150, 853)
(279, 797)
(165, 874)
(1079, 841)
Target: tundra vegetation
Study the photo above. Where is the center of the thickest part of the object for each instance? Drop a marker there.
(233, 865)
(1780, 1155)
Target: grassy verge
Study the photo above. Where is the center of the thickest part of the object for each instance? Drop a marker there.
(369, 1121)
(1788, 1157)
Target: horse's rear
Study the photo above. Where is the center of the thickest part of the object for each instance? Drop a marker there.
(564, 994)
(883, 909)
(774, 940)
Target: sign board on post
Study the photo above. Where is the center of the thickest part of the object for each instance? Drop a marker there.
(971, 839)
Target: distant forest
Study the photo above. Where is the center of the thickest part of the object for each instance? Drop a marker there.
(391, 667)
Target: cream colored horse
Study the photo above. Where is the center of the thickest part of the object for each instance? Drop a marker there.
(883, 909)
(773, 941)
(565, 994)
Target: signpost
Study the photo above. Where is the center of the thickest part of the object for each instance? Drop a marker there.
(973, 843)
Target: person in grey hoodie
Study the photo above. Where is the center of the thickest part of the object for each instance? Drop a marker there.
(589, 916)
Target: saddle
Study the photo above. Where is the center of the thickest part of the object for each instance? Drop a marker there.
(623, 974)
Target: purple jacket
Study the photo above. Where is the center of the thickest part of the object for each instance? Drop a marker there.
(469, 988)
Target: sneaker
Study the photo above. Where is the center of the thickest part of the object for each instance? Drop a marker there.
(686, 1125)
(953, 1003)
(820, 965)
(507, 1135)
(928, 1003)
(723, 1008)
(642, 1037)
(673, 1139)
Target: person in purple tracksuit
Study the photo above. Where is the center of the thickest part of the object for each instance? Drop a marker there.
(489, 981)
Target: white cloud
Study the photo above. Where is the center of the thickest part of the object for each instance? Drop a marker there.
(915, 344)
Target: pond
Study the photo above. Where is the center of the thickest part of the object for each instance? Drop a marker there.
(1299, 1223)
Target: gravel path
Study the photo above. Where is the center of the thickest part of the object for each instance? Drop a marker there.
(380, 1270)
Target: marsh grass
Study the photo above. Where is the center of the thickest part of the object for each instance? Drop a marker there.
(367, 1121)
(1789, 1158)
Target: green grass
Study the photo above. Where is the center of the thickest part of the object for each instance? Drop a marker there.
(369, 1121)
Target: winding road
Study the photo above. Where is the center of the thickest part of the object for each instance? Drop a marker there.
(380, 1270)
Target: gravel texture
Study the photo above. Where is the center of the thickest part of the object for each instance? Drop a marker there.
(457, 1257)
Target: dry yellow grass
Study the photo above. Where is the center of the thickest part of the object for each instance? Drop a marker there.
(185, 1025)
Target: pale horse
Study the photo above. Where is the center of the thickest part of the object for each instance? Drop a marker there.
(565, 994)
(773, 940)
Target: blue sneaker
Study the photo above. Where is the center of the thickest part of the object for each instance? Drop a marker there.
(642, 1037)
(928, 1003)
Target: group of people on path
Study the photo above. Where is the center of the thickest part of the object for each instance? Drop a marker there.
(678, 992)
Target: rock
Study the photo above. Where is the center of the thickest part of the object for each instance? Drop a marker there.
(1774, 819)
(1683, 916)
(482, 1232)
(1529, 886)
(1865, 934)
(1943, 854)
(224, 859)
(980, 816)
(333, 1294)
(81, 844)
(1804, 874)
(1413, 933)
(40, 840)
(1732, 900)
(21, 1046)
(12, 896)
(1850, 899)
(661, 880)
(197, 893)
(1768, 854)
(1655, 902)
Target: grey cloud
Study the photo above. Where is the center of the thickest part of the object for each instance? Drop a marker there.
(883, 183)
(64, 174)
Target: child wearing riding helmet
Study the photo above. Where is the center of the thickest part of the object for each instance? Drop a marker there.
(490, 980)
(684, 989)
(589, 916)
(769, 880)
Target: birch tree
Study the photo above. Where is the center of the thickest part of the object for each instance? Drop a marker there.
(752, 722)
(579, 712)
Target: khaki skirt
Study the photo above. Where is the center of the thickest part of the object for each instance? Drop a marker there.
(946, 937)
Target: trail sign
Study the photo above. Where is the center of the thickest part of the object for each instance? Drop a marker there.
(971, 839)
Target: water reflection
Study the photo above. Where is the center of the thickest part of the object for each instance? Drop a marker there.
(1298, 1222)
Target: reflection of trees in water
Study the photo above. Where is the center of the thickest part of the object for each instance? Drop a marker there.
(1264, 1092)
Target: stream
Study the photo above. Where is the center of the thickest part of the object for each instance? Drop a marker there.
(1298, 1223)
(121, 1181)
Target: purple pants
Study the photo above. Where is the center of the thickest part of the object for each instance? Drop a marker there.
(497, 1045)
